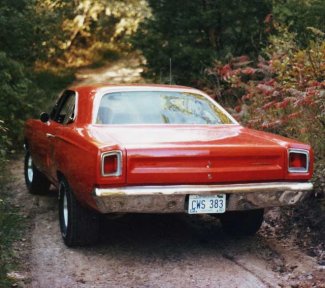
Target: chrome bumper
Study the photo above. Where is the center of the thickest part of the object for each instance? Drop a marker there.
(173, 199)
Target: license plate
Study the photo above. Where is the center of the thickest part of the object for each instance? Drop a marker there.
(207, 204)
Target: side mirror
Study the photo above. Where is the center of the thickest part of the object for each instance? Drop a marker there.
(44, 117)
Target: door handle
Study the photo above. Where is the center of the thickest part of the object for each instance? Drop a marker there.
(48, 135)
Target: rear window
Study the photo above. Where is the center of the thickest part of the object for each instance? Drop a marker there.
(158, 108)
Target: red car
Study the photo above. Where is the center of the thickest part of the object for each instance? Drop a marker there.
(158, 149)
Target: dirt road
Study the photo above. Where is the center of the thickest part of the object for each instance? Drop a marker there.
(153, 250)
(156, 251)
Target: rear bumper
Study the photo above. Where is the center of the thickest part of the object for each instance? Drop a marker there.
(173, 199)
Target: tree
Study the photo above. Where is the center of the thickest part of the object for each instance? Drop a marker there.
(193, 33)
(298, 15)
(20, 47)
(19, 98)
(17, 37)
(82, 32)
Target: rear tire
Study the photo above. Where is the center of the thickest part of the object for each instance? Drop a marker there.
(79, 225)
(36, 181)
(242, 223)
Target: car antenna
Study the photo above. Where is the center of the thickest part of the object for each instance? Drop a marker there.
(170, 71)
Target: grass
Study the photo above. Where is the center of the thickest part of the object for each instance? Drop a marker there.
(11, 225)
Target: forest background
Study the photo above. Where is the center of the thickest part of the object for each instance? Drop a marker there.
(264, 60)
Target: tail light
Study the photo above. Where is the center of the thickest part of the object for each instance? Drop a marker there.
(111, 163)
(298, 161)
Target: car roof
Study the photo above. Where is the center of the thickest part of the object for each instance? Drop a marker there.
(87, 94)
(101, 86)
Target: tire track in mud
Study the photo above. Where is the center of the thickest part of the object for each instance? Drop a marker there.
(237, 262)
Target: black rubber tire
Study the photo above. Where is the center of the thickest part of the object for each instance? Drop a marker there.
(37, 183)
(242, 223)
(79, 226)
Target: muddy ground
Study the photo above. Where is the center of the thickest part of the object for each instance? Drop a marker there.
(156, 251)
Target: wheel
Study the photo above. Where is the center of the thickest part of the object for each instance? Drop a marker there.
(79, 226)
(242, 223)
(36, 181)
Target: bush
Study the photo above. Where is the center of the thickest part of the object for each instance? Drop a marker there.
(19, 98)
(3, 150)
(11, 225)
(10, 221)
(285, 94)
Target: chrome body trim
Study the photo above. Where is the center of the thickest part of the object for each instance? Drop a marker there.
(119, 163)
(49, 135)
(298, 151)
(173, 198)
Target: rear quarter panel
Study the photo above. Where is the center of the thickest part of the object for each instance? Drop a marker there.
(76, 158)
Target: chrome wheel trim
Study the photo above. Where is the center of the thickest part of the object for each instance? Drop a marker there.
(65, 210)
(30, 172)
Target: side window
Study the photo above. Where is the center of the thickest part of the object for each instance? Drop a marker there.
(56, 106)
(63, 111)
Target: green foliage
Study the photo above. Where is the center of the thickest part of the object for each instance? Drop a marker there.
(51, 83)
(11, 224)
(3, 150)
(67, 33)
(10, 221)
(286, 94)
(19, 98)
(20, 34)
(21, 44)
(13, 26)
(82, 32)
(298, 15)
(193, 33)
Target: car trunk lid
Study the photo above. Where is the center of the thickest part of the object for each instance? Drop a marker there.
(158, 155)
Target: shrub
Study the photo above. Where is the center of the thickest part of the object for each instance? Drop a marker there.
(3, 150)
(10, 221)
(11, 227)
(285, 94)
(19, 98)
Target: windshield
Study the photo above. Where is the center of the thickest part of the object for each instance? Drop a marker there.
(158, 107)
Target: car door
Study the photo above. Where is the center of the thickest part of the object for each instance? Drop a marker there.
(42, 135)
(62, 115)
